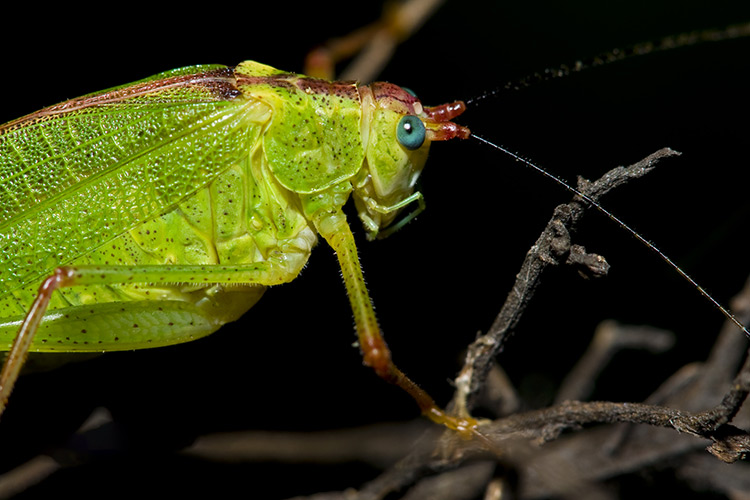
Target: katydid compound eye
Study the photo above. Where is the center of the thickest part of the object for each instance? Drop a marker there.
(410, 132)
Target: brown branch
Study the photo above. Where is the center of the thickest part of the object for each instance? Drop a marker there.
(547, 424)
(551, 246)
(512, 433)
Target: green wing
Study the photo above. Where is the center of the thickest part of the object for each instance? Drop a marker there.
(76, 175)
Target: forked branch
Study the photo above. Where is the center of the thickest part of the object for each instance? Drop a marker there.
(552, 247)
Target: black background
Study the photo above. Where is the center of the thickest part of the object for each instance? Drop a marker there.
(289, 364)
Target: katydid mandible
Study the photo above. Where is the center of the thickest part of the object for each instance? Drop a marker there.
(153, 213)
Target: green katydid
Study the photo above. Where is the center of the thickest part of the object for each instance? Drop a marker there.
(153, 213)
(157, 234)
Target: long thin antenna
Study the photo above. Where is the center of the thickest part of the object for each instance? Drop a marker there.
(731, 317)
(666, 43)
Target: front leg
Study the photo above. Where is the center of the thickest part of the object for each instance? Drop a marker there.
(334, 228)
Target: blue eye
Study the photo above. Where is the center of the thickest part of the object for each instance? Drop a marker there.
(410, 132)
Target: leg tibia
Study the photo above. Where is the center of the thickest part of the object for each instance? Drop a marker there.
(374, 350)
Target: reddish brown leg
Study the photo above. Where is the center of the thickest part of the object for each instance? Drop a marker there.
(62, 277)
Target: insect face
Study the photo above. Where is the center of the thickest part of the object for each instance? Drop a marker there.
(397, 132)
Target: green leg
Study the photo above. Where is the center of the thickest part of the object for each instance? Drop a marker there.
(375, 352)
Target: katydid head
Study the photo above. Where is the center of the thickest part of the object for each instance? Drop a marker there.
(397, 131)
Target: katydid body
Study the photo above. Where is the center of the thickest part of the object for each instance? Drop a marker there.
(152, 214)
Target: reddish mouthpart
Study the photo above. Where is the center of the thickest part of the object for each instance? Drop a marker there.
(439, 126)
